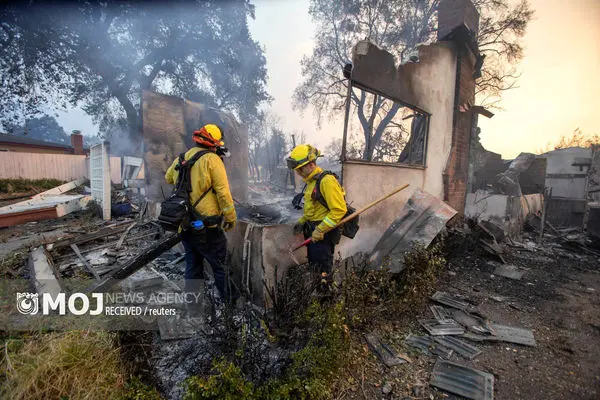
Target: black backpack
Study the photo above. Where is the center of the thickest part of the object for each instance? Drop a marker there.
(350, 228)
(177, 210)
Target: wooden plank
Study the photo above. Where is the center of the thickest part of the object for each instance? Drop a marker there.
(89, 237)
(143, 258)
(65, 167)
(72, 206)
(60, 189)
(23, 217)
(44, 202)
(85, 261)
(122, 239)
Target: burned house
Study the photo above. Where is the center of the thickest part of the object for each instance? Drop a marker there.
(429, 101)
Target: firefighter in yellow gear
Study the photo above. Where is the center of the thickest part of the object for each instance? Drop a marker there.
(214, 206)
(324, 207)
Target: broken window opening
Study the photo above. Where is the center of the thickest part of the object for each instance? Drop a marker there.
(381, 130)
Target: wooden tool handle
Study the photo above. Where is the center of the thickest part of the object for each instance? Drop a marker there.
(356, 213)
(365, 208)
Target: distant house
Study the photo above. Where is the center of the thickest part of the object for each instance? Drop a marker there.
(26, 145)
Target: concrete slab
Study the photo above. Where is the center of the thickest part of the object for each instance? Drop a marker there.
(42, 272)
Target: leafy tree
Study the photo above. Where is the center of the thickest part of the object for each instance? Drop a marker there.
(267, 146)
(577, 139)
(398, 26)
(99, 55)
(275, 151)
(44, 128)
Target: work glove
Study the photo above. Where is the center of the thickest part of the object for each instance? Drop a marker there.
(317, 235)
(228, 225)
(298, 228)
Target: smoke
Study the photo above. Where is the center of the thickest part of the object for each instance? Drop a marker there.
(121, 144)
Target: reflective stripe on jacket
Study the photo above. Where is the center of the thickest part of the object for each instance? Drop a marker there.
(208, 171)
(332, 192)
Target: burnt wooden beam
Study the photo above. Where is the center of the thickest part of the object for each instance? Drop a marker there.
(143, 258)
(85, 261)
(89, 237)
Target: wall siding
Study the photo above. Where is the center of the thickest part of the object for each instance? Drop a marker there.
(65, 167)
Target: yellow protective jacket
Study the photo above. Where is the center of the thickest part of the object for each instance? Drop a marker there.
(334, 196)
(207, 172)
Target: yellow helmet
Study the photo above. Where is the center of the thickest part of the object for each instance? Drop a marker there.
(302, 155)
(209, 135)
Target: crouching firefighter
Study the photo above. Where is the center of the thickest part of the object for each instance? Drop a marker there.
(211, 210)
(324, 208)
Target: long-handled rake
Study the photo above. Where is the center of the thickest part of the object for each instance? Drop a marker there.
(348, 218)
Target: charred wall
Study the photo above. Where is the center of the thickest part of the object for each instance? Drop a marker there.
(168, 123)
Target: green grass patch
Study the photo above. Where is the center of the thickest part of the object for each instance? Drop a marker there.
(28, 185)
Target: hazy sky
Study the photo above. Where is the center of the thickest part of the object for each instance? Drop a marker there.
(557, 89)
(560, 81)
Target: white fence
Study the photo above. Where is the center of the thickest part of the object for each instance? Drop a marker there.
(65, 167)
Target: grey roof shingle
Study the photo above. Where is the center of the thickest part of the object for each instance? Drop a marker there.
(25, 140)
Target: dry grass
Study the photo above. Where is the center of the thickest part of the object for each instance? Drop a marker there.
(68, 365)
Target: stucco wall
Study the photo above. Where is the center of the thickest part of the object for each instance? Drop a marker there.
(509, 212)
(433, 81)
(259, 253)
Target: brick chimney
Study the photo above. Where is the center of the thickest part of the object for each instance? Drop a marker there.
(77, 142)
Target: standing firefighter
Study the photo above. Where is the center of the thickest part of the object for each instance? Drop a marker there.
(324, 207)
(211, 204)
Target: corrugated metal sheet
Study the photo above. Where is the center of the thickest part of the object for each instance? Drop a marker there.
(463, 348)
(437, 328)
(463, 381)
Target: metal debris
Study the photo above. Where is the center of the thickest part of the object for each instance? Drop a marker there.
(428, 346)
(437, 328)
(385, 354)
(471, 322)
(503, 333)
(514, 335)
(463, 348)
(441, 314)
(419, 222)
(463, 381)
(447, 300)
(509, 271)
